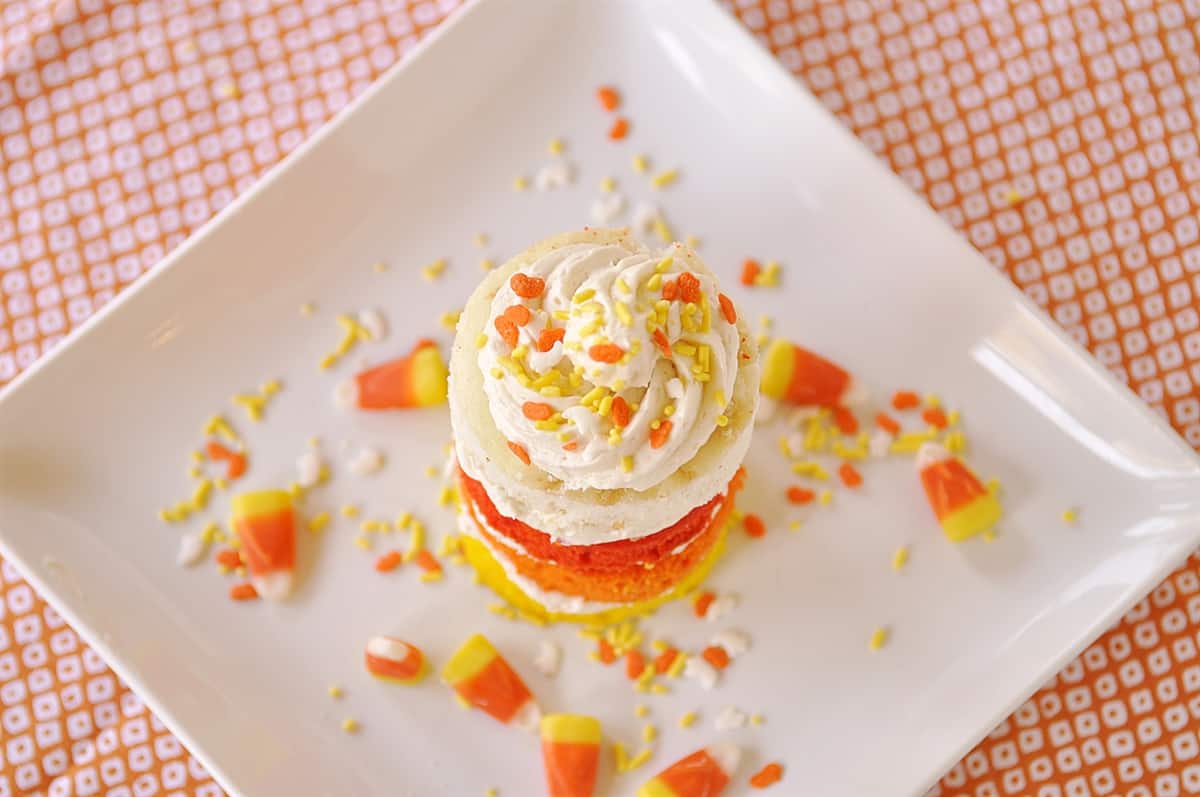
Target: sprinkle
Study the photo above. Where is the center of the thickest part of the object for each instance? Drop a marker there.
(349, 510)
(905, 400)
(536, 411)
(621, 756)
(750, 271)
(935, 417)
(379, 267)
(649, 733)
(308, 308)
(520, 183)
(217, 425)
(486, 264)
(658, 437)
(480, 239)
(663, 179)
(879, 638)
(640, 710)
(664, 660)
(688, 720)
(434, 270)
(727, 308)
(635, 664)
(716, 656)
(609, 97)
(555, 146)
(641, 164)
(955, 442)
(639, 759)
(416, 541)
(491, 791)
(767, 776)
(427, 562)
(606, 353)
(363, 542)
(334, 691)
(350, 725)
(519, 451)
(620, 412)
(754, 525)
(993, 486)
(243, 592)
(825, 498)
(608, 185)
(769, 278)
(389, 561)
(722, 420)
(449, 319)
(887, 423)
(702, 602)
(527, 287)
(850, 475)
(619, 128)
(678, 664)
(663, 231)
(794, 525)
(799, 495)
(1070, 515)
(627, 464)
(692, 242)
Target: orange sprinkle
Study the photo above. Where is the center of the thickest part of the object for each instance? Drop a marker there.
(527, 287)
(658, 437)
(229, 558)
(607, 654)
(727, 308)
(750, 269)
(243, 592)
(389, 561)
(845, 420)
(620, 412)
(935, 417)
(217, 451)
(519, 314)
(670, 290)
(660, 340)
(519, 451)
(887, 423)
(507, 329)
(664, 660)
(548, 337)
(237, 466)
(635, 663)
(754, 525)
(427, 562)
(905, 400)
(850, 475)
(608, 97)
(702, 602)
(768, 775)
(570, 445)
(606, 353)
(799, 495)
(536, 410)
(716, 656)
(619, 129)
(689, 287)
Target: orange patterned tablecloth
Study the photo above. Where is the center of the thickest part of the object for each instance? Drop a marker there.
(1059, 136)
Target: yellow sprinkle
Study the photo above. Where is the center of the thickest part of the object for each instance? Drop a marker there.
(519, 352)
(953, 417)
(641, 164)
(760, 339)
(993, 486)
(825, 498)
(379, 267)
(1013, 197)
(308, 308)
(663, 231)
(677, 665)
(654, 282)
(933, 400)
(350, 725)
(217, 425)
(449, 319)
(605, 406)
(520, 183)
(416, 540)
(335, 691)
(623, 314)
(692, 242)
(491, 791)
(669, 410)
(639, 759)
(722, 420)
(757, 719)
(684, 349)
(195, 473)
(201, 493)
(211, 532)
(627, 463)
(349, 510)
(480, 239)
(481, 341)
(253, 405)
(434, 270)
(555, 147)
(900, 557)
(879, 638)
(318, 522)
(1070, 516)
(663, 179)
(608, 184)
(810, 469)
(363, 542)
(955, 442)
(649, 732)
(582, 296)
(794, 525)
(687, 720)
(640, 710)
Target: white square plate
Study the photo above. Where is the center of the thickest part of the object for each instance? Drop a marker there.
(95, 438)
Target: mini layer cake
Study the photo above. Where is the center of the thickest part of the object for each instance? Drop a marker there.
(602, 396)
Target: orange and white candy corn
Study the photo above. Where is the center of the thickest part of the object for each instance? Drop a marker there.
(571, 752)
(266, 525)
(483, 679)
(963, 506)
(795, 375)
(417, 380)
(391, 659)
(704, 773)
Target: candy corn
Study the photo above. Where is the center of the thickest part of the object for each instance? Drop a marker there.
(704, 773)
(963, 506)
(266, 526)
(482, 678)
(418, 380)
(391, 659)
(571, 752)
(795, 375)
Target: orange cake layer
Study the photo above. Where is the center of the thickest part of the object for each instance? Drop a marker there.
(636, 581)
(605, 556)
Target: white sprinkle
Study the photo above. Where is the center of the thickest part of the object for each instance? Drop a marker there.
(607, 208)
(734, 642)
(731, 718)
(556, 174)
(721, 606)
(700, 671)
(192, 548)
(675, 389)
(548, 658)
(308, 469)
(373, 321)
(644, 216)
(366, 462)
(879, 443)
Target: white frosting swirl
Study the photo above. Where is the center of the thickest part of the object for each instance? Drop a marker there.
(608, 300)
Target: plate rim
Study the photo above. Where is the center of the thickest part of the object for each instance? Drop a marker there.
(747, 49)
